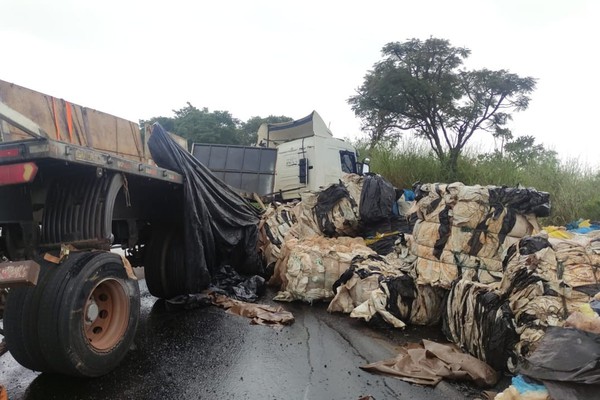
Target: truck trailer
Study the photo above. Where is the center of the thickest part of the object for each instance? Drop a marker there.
(74, 184)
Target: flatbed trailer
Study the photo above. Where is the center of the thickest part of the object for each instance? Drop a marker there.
(74, 184)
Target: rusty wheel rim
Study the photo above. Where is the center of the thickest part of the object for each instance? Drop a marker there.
(106, 315)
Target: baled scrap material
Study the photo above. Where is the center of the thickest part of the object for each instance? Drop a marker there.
(331, 212)
(480, 321)
(355, 285)
(276, 222)
(430, 362)
(545, 280)
(336, 211)
(376, 200)
(384, 213)
(220, 226)
(307, 225)
(315, 264)
(376, 285)
(464, 231)
(354, 184)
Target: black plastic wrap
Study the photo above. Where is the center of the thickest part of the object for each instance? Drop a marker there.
(522, 200)
(481, 322)
(326, 201)
(566, 355)
(220, 226)
(376, 199)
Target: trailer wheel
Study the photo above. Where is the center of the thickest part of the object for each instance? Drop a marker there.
(89, 315)
(164, 265)
(21, 321)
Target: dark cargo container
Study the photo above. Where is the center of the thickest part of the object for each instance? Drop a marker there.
(247, 169)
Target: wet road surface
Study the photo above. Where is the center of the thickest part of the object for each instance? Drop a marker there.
(209, 354)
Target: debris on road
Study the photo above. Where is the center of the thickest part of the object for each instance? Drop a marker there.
(259, 314)
(472, 257)
(429, 362)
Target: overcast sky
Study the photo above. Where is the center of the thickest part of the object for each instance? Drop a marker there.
(141, 59)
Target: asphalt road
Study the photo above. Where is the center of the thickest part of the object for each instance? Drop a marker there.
(209, 354)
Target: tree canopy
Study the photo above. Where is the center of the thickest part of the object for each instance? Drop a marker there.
(421, 87)
(204, 126)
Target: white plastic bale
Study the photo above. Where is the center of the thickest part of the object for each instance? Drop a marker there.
(353, 183)
(314, 265)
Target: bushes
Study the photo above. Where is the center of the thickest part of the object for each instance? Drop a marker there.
(573, 187)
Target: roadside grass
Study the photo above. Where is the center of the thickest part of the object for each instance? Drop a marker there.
(573, 186)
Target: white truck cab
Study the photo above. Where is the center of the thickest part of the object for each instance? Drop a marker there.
(289, 158)
(308, 156)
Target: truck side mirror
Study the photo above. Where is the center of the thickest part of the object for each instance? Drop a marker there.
(303, 170)
(365, 166)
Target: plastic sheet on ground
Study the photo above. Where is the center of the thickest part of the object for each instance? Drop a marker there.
(567, 361)
(228, 282)
(220, 226)
(430, 362)
(259, 314)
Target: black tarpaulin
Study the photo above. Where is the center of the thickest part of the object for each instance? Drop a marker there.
(220, 226)
(521, 200)
(376, 199)
(566, 355)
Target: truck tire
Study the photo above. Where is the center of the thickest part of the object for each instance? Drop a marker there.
(89, 315)
(21, 321)
(164, 265)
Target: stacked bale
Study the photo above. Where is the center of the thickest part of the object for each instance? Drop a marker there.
(383, 286)
(480, 321)
(314, 264)
(463, 231)
(544, 281)
(276, 222)
(317, 243)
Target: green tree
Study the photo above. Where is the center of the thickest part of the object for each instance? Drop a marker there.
(419, 87)
(524, 152)
(204, 126)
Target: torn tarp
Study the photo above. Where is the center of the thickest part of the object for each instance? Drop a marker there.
(430, 362)
(259, 314)
(219, 225)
